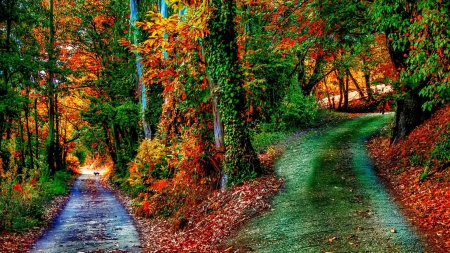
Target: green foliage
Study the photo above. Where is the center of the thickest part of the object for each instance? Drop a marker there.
(297, 110)
(24, 197)
(81, 154)
(266, 135)
(415, 160)
(441, 151)
(418, 38)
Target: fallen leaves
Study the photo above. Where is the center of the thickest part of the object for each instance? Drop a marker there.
(211, 221)
(424, 203)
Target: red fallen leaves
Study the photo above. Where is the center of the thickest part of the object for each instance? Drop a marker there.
(207, 224)
(426, 203)
(14, 242)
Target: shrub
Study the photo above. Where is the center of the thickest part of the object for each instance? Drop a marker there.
(441, 152)
(23, 197)
(168, 184)
(297, 110)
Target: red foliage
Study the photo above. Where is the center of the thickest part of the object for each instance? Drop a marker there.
(160, 185)
(17, 187)
(425, 203)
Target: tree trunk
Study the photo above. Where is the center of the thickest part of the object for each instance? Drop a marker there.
(369, 89)
(409, 114)
(315, 77)
(27, 127)
(346, 93)
(240, 161)
(140, 82)
(36, 126)
(51, 106)
(360, 91)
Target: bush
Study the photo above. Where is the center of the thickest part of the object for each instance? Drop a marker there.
(264, 137)
(441, 152)
(23, 197)
(297, 110)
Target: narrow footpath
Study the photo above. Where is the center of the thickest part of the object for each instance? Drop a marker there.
(332, 201)
(92, 221)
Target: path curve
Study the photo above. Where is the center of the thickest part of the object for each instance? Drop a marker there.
(332, 201)
(92, 220)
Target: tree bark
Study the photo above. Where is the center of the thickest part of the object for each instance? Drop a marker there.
(360, 91)
(51, 103)
(409, 114)
(240, 161)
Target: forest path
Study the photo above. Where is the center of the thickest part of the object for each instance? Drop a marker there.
(332, 201)
(92, 220)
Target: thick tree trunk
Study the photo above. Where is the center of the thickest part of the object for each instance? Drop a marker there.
(240, 161)
(409, 114)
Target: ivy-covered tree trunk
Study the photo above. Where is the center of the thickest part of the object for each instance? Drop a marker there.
(240, 161)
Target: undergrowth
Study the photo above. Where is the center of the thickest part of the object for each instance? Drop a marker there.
(24, 196)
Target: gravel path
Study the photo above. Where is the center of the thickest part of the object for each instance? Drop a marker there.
(333, 200)
(92, 221)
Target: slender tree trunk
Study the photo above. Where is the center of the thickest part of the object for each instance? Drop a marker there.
(346, 93)
(27, 126)
(369, 89)
(341, 90)
(140, 82)
(36, 125)
(58, 154)
(51, 106)
(22, 145)
(360, 91)
(328, 94)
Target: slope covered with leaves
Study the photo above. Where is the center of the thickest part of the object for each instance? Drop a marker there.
(416, 170)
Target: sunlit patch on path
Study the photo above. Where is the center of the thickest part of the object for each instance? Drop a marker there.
(333, 200)
(92, 220)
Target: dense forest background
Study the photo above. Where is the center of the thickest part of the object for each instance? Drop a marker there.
(174, 99)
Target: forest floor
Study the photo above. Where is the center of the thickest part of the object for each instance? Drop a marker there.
(332, 200)
(400, 165)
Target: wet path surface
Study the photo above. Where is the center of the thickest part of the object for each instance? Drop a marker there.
(332, 201)
(92, 220)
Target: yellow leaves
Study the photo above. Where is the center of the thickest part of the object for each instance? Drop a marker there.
(124, 42)
(164, 32)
